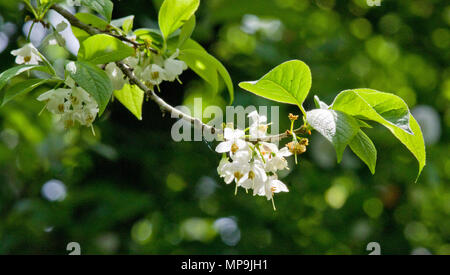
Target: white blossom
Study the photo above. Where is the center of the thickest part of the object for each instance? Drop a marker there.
(255, 176)
(258, 128)
(154, 74)
(56, 100)
(72, 105)
(28, 54)
(270, 186)
(233, 141)
(275, 159)
(173, 67)
(252, 166)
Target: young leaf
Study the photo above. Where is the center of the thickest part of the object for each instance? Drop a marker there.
(174, 13)
(126, 23)
(200, 62)
(132, 98)
(390, 111)
(186, 31)
(103, 7)
(21, 88)
(14, 71)
(190, 46)
(103, 48)
(364, 148)
(94, 80)
(337, 127)
(288, 83)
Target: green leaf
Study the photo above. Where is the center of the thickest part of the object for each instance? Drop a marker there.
(200, 62)
(132, 97)
(103, 7)
(337, 127)
(15, 71)
(384, 108)
(364, 148)
(91, 19)
(414, 142)
(21, 88)
(186, 31)
(194, 55)
(126, 23)
(390, 111)
(174, 13)
(103, 48)
(94, 80)
(288, 83)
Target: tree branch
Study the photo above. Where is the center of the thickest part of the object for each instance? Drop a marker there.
(164, 106)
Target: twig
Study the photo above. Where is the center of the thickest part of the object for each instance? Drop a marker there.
(164, 106)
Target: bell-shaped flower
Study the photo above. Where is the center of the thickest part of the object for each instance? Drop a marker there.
(255, 176)
(57, 100)
(233, 141)
(271, 186)
(258, 128)
(28, 54)
(174, 67)
(154, 74)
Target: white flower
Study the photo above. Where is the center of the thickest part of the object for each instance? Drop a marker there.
(274, 158)
(69, 119)
(269, 187)
(233, 141)
(174, 67)
(116, 76)
(73, 105)
(57, 100)
(258, 128)
(88, 114)
(154, 74)
(28, 54)
(255, 176)
(78, 97)
(232, 171)
(71, 67)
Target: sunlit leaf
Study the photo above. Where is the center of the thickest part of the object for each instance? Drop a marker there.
(390, 111)
(103, 48)
(174, 13)
(364, 148)
(288, 83)
(132, 98)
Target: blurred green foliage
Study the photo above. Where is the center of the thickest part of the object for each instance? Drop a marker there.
(132, 190)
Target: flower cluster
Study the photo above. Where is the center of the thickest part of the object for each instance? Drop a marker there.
(73, 104)
(151, 70)
(252, 165)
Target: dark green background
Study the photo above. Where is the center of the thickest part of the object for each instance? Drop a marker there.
(132, 190)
